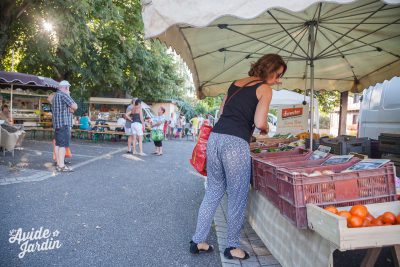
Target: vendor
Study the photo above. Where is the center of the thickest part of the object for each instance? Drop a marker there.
(84, 122)
(6, 115)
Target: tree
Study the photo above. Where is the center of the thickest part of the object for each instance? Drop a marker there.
(327, 100)
(101, 51)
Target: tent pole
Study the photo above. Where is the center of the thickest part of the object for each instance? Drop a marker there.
(11, 93)
(312, 45)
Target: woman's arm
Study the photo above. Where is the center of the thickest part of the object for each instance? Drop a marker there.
(128, 115)
(264, 92)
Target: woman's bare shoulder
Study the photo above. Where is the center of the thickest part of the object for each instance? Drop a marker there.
(263, 90)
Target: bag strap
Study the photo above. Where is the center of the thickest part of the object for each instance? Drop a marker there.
(237, 91)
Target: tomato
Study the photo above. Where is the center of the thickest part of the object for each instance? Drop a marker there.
(366, 223)
(331, 209)
(345, 214)
(369, 217)
(388, 217)
(355, 221)
(359, 210)
(376, 222)
(398, 219)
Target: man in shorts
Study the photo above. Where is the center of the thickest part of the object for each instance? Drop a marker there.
(62, 107)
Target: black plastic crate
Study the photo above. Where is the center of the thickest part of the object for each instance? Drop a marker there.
(315, 143)
(375, 152)
(343, 145)
(389, 143)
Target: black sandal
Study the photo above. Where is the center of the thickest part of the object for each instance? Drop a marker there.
(195, 250)
(228, 255)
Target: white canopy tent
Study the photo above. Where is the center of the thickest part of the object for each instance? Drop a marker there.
(328, 45)
(286, 98)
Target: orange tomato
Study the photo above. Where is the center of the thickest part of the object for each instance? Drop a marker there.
(331, 209)
(388, 217)
(345, 214)
(369, 217)
(359, 210)
(366, 223)
(355, 221)
(376, 222)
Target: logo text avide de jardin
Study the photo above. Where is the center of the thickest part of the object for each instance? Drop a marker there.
(41, 239)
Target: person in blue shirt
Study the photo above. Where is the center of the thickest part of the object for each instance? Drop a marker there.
(84, 122)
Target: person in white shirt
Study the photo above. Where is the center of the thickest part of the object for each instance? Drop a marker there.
(171, 126)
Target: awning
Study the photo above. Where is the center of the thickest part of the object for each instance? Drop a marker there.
(356, 43)
(26, 81)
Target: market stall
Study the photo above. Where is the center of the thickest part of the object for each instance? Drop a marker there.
(112, 109)
(26, 96)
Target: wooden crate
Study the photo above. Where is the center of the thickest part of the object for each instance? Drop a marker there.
(334, 228)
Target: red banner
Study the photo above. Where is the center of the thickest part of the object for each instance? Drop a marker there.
(291, 112)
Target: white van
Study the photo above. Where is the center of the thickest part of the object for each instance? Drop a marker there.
(380, 109)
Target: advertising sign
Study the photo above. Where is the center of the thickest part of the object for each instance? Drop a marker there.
(293, 119)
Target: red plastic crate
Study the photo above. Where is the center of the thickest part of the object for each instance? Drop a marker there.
(268, 155)
(272, 196)
(269, 166)
(258, 173)
(339, 189)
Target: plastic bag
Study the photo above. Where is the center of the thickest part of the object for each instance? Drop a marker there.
(199, 154)
(157, 135)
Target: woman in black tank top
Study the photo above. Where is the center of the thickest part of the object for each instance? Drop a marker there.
(135, 115)
(244, 107)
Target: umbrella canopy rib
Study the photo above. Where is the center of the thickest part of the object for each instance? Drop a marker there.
(365, 35)
(364, 45)
(234, 64)
(366, 75)
(262, 54)
(341, 54)
(294, 40)
(248, 41)
(347, 10)
(304, 31)
(358, 40)
(268, 44)
(349, 31)
(357, 14)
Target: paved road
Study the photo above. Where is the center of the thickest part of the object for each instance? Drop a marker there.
(112, 211)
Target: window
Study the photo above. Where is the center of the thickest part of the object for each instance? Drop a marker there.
(355, 118)
(356, 98)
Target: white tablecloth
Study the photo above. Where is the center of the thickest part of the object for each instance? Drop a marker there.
(289, 245)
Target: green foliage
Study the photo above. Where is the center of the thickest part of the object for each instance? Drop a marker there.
(327, 100)
(97, 45)
(324, 122)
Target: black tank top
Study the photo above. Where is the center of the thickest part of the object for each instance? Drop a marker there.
(135, 117)
(237, 118)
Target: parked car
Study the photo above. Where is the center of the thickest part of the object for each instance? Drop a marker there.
(380, 109)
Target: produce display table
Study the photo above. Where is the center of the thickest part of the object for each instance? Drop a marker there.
(292, 246)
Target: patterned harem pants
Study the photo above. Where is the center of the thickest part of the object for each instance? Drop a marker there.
(228, 169)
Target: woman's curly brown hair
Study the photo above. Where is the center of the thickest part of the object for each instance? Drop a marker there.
(267, 65)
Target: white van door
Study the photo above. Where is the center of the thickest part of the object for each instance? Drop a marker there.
(380, 109)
